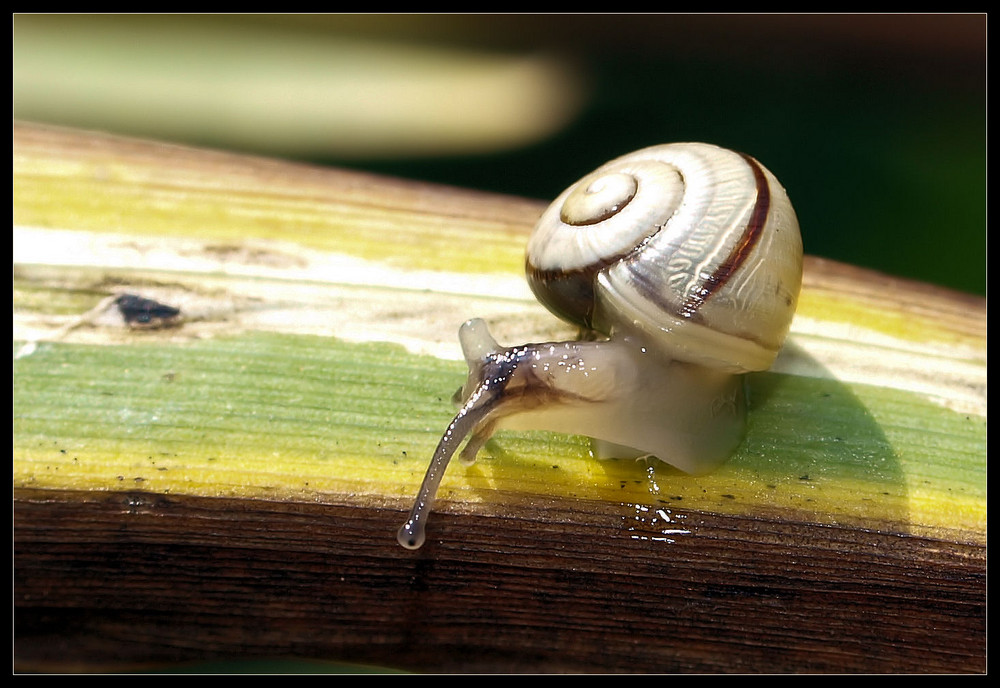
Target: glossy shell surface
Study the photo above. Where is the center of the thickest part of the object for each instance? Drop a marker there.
(695, 247)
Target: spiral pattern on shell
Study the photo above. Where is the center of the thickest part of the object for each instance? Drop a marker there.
(693, 245)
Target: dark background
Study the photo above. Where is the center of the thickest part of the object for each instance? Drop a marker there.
(876, 124)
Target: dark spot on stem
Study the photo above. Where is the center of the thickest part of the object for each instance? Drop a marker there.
(139, 312)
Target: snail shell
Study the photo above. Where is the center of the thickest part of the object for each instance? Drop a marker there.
(695, 244)
(684, 263)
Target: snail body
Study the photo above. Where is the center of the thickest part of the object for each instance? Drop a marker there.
(682, 263)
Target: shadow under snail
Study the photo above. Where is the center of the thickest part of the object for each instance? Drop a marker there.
(681, 264)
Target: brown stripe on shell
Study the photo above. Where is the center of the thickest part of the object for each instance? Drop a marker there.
(751, 235)
(568, 293)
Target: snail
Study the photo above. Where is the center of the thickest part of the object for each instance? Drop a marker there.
(681, 264)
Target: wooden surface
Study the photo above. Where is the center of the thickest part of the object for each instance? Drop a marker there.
(129, 578)
(227, 487)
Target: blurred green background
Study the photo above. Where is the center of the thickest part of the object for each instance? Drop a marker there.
(876, 124)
